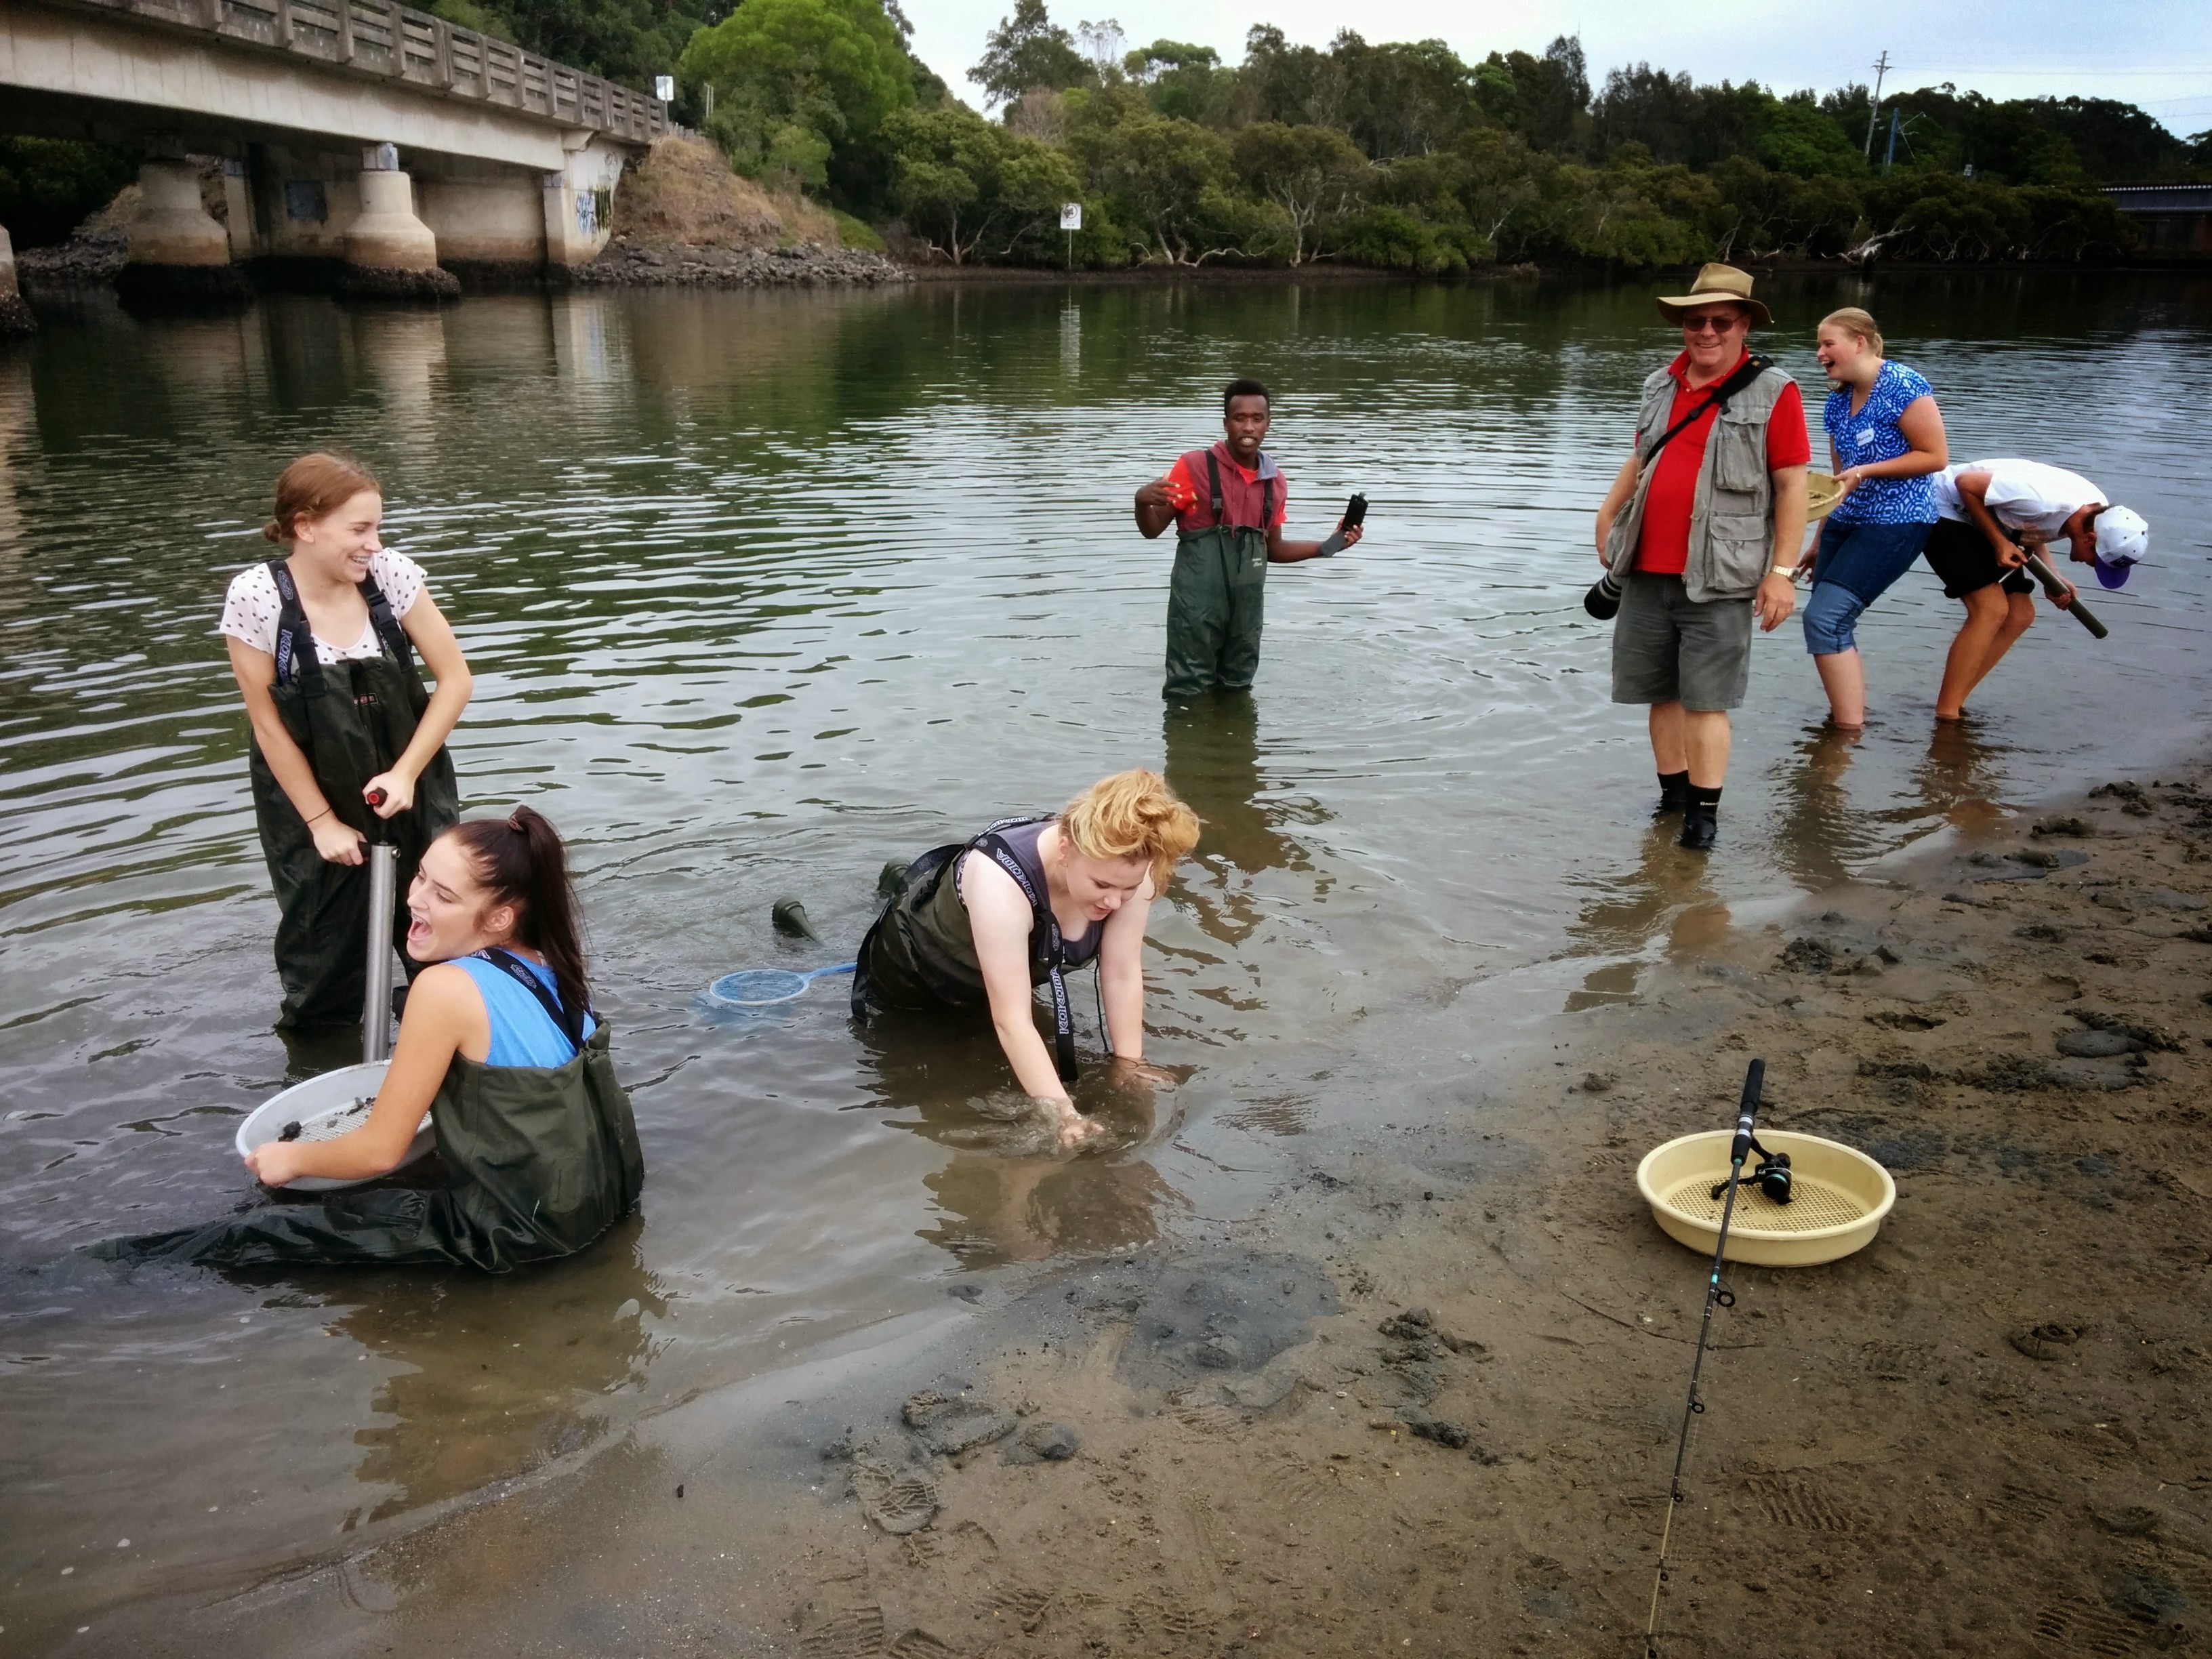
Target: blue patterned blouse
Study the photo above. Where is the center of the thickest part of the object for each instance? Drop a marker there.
(1871, 435)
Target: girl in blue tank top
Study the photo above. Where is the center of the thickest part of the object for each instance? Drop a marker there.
(522, 1031)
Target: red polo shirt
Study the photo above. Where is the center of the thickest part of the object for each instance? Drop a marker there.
(1662, 546)
(1240, 491)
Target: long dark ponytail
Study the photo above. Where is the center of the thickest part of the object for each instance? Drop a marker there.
(521, 861)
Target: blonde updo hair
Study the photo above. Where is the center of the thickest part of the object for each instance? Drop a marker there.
(1131, 815)
(1858, 322)
(314, 487)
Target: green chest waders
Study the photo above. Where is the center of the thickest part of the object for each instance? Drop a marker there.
(1215, 598)
(541, 1161)
(920, 953)
(352, 720)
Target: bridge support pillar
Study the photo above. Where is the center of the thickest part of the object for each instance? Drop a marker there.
(178, 251)
(389, 252)
(14, 316)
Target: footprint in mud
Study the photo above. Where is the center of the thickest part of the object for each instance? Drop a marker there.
(899, 1501)
(841, 1621)
(1542, 1583)
(918, 1643)
(2050, 1341)
(1018, 1605)
(1802, 1505)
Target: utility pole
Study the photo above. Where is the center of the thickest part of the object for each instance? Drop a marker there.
(1880, 69)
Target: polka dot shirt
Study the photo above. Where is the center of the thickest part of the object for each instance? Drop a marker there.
(251, 609)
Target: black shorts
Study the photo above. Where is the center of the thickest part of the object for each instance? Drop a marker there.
(1963, 557)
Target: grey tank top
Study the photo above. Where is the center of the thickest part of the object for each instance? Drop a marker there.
(1022, 842)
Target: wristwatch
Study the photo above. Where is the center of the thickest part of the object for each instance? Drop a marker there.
(1782, 570)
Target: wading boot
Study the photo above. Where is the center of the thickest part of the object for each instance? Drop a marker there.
(1701, 826)
(1674, 793)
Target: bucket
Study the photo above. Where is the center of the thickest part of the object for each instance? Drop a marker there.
(1840, 1197)
(326, 1108)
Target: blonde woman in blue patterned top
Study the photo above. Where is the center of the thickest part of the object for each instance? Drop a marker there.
(1885, 439)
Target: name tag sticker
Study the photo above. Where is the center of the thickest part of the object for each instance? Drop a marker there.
(1865, 434)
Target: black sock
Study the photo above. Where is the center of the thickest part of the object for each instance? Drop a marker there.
(1674, 785)
(1710, 800)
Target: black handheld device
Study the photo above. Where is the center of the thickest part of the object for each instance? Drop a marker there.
(1355, 515)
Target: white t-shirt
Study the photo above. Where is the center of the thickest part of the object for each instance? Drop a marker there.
(2023, 495)
(251, 609)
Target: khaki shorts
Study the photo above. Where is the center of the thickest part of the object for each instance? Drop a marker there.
(1667, 649)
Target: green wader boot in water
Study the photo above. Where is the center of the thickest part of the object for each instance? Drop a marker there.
(542, 1161)
(352, 720)
(1215, 599)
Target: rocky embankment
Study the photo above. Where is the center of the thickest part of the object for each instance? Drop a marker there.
(91, 259)
(625, 263)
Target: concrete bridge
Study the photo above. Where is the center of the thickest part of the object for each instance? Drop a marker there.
(359, 132)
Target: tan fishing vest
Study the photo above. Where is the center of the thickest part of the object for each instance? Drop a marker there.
(1732, 518)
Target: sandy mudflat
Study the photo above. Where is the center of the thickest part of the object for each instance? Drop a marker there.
(1983, 1434)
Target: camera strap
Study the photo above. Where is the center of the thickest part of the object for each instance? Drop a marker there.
(1745, 374)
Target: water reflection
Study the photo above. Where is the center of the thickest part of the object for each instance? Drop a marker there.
(1007, 1194)
(1669, 892)
(1962, 777)
(1213, 762)
(501, 1374)
(1817, 837)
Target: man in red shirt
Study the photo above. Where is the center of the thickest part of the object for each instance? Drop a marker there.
(1700, 531)
(1227, 505)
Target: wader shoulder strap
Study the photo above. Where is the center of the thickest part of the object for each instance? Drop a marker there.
(1752, 369)
(571, 1022)
(1063, 1017)
(1266, 496)
(389, 633)
(296, 662)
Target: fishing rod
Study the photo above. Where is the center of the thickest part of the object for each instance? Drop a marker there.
(1716, 1296)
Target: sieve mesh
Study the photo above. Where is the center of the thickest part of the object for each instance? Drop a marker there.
(338, 1121)
(1816, 1205)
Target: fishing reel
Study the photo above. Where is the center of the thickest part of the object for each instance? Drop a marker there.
(1771, 1177)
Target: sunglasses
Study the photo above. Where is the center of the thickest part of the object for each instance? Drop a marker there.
(1714, 323)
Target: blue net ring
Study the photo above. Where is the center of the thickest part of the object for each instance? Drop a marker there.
(757, 987)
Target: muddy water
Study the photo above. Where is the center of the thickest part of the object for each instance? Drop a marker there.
(761, 591)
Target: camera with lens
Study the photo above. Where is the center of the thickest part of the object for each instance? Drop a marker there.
(1603, 600)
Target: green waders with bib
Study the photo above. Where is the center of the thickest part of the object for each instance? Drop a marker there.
(921, 952)
(1215, 598)
(352, 720)
(541, 1161)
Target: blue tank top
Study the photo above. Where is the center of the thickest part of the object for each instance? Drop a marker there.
(522, 1032)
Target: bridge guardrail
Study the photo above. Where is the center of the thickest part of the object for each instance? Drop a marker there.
(380, 37)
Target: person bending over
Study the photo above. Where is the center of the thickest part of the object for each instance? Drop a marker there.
(1702, 527)
(981, 923)
(1227, 503)
(319, 642)
(1991, 515)
(500, 1046)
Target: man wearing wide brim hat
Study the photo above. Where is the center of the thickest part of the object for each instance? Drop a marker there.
(1699, 533)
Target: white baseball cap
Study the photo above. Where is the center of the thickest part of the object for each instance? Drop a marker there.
(2121, 539)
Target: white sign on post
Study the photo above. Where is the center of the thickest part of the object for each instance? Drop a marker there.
(1071, 215)
(664, 88)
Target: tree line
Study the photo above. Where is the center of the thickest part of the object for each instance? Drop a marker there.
(1402, 155)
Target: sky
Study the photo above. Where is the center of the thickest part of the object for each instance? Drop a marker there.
(2157, 53)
